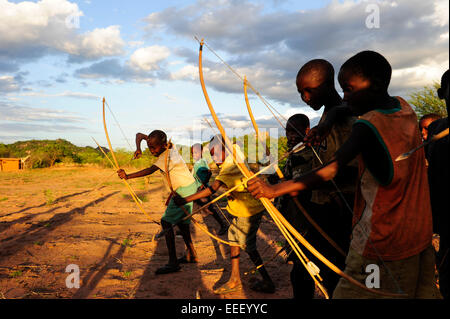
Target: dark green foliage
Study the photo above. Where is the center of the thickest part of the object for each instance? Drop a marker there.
(426, 101)
(47, 153)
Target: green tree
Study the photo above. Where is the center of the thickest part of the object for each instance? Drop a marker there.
(426, 101)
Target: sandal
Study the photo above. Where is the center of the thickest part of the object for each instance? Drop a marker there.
(167, 269)
(263, 286)
(226, 290)
(185, 260)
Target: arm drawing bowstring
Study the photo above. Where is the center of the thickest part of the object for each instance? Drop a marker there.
(275, 214)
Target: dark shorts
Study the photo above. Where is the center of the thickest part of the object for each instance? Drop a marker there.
(242, 231)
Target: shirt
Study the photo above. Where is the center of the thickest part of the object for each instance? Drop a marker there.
(200, 171)
(392, 218)
(240, 202)
(438, 177)
(179, 173)
(346, 179)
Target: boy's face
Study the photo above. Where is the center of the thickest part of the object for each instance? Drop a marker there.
(217, 153)
(196, 153)
(155, 146)
(293, 137)
(358, 93)
(312, 89)
(423, 125)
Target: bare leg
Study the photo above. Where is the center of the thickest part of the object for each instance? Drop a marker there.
(191, 254)
(170, 242)
(235, 278)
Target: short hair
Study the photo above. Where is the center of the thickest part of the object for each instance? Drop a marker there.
(445, 79)
(216, 139)
(321, 65)
(371, 65)
(297, 121)
(196, 145)
(159, 135)
(431, 116)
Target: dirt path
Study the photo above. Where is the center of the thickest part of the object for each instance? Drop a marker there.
(50, 218)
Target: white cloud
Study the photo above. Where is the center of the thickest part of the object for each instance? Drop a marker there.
(31, 30)
(97, 43)
(148, 58)
(8, 84)
(187, 72)
(80, 95)
(270, 46)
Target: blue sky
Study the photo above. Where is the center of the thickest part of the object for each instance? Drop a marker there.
(142, 57)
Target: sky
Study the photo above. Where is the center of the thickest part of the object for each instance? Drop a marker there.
(58, 58)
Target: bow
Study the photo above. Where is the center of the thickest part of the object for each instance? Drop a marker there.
(281, 176)
(287, 229)
(115, 164)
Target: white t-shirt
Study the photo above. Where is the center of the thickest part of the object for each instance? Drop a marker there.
(179, 173)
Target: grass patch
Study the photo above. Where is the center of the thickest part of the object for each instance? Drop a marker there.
(3, 199)
(127, 274)
(127, 242)
(16, 274)
(49, 200)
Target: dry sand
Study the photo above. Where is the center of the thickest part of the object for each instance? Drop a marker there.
(50, 218)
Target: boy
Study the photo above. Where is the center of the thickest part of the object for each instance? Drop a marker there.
(328, 207)
(202, 174)
(438, 177)
(425, 121)
(297, 164)
(392, 225)
(183, 184)
(247, 212)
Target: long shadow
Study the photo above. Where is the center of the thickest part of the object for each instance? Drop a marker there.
(12, 245)
(190, 276)
(97, 275)
(59, 199)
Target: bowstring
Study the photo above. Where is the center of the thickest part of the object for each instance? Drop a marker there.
(270, 107)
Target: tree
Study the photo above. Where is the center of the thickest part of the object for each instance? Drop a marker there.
(426, 101)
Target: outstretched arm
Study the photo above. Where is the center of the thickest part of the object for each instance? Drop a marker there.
(201, 194)
(144, 172)
(349, 150)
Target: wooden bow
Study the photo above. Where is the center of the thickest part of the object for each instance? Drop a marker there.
(287, 229)
(115, 164)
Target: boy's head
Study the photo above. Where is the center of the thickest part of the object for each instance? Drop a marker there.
(443, 91)
(364, 78)
(196, 151)
(297, 127)
(157, 142)
(217, 149)
(425, 121)
(315, 82)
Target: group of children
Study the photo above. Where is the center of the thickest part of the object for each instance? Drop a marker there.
(377, 210)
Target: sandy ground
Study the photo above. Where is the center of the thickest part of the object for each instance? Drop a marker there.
(50, 218)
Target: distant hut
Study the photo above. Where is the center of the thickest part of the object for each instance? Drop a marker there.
(9, 164)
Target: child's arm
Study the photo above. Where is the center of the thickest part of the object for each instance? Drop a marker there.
(201, 194)
(139, 138)
(348, 151)
(317, 134)
(144, 172)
